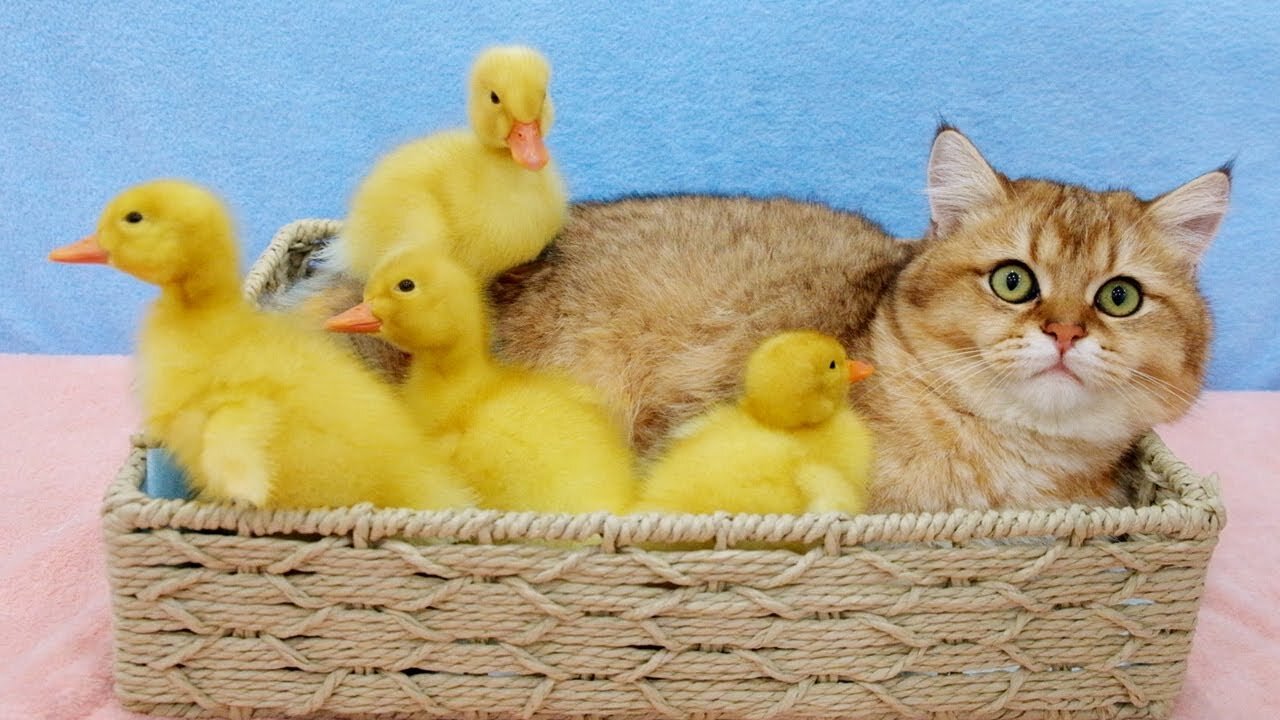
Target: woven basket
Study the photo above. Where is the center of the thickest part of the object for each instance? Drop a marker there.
(224, 611)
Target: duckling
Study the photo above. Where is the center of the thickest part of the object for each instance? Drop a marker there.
(254, 406)
(789, 445)
(490, 197)
(525, 439)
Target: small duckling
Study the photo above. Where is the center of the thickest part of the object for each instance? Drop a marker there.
(490, 197)
(789, 445)
(254, 406)
(527, 440)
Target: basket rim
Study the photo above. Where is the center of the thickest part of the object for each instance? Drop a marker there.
(307, 230)
(1195, 513)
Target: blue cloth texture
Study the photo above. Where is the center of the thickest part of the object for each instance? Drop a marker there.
(165, 478)
(282, 107)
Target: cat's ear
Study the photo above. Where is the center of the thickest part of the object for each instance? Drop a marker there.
(960, 179)
(1191, 214)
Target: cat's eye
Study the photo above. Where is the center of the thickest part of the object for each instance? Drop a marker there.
(493, 97)
(1014, 282)
(133, 218)
(405, 285)
(1119, 297)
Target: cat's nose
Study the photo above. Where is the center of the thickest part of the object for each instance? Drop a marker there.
(1065, 334)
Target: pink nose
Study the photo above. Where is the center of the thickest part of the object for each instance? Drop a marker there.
(1065, 334)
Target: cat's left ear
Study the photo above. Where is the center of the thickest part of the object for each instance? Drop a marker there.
(1191, 214)
(960, 180)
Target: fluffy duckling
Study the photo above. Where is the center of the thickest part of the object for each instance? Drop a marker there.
(254, 406)
(526, 440)
(490, 196)
(789, 445)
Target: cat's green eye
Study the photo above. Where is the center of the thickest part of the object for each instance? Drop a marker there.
(1119, 297)
(1014, 282)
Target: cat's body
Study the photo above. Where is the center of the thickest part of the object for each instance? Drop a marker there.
(658, 301)
(979, 400)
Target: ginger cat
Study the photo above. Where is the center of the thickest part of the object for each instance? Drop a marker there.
(1023, 346)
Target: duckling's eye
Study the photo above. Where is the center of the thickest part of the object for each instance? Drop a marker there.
(832, 365)
(493, 96)
(405, 285)
(1119, 297)
(1014, 282)
(133, 217)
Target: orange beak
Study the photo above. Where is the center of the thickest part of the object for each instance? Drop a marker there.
(359, 319)
(527, 148)
(859, 371)
(85, 251)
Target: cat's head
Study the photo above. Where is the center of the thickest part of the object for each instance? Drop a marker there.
(1067, 310)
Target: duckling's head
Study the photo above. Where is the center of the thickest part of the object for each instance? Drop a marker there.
(164, 232)
(420, 301)
(508, 103)
(799, 378)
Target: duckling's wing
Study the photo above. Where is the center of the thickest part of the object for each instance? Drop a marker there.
(826, 489)
(386, 223)
(235, 459)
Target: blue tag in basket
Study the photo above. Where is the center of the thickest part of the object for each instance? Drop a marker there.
(164, 478)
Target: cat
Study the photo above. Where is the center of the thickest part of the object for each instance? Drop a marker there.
(1023, 345)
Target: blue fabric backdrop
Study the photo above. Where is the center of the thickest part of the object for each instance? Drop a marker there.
(282, 106)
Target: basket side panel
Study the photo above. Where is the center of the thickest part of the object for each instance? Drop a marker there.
(1100, 629)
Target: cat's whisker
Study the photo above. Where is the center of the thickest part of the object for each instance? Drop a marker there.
(1160, 387)
(958, 377)
(940, 363)
(1138, 390)
(981, 393)
(975, 370)
(950, 353)
(932, 375)
(929, 361)
(1120, 374)
(958, 364)
(1162, 395)
(1133, 398)
(1125, 390)
(994, 384)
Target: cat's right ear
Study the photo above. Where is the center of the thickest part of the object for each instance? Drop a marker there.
(960, 180)
(1191, 214)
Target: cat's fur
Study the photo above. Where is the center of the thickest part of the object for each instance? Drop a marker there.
(658, 301)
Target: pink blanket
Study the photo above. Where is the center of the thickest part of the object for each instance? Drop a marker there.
(67, 421)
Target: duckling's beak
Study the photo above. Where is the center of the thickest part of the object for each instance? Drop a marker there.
(85, 251)
(527, 148)
(859, 371)
(359, 319)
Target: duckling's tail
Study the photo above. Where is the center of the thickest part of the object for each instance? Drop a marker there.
(827, 490)
(433, 487)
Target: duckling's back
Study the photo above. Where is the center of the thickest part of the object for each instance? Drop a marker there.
(537, 441)
(451, 192)
(725, 460)
(331, 433)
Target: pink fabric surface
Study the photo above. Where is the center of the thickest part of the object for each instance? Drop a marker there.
(67, 421)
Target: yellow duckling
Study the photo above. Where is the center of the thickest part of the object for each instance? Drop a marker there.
(527, 440)
(254, 406)
(789, 445)
(490, 197)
